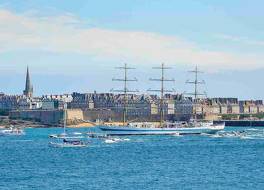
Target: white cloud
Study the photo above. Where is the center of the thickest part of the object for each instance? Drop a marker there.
(67, 33)
(239, 39)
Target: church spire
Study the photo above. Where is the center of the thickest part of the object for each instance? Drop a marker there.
(28, 92)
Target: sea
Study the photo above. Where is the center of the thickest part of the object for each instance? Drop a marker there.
(229, 160)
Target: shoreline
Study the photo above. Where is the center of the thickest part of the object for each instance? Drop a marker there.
(5, 123)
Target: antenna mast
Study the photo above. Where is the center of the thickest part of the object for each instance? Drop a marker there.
(162, 79)
(125, 89)
(196, 93)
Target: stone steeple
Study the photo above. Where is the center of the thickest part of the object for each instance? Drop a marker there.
(28, 92)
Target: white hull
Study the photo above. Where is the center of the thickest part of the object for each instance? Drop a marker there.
(65, 137)
(66, 145)
(208, 129)
(110, 141)
(11, 132)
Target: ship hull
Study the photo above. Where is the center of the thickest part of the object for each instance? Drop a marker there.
(112, 130)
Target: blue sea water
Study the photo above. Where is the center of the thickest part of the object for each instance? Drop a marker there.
(226, 161)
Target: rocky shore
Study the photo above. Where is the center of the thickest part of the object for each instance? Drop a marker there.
(5, 121)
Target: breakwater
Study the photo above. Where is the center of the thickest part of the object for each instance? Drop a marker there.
(244, 123)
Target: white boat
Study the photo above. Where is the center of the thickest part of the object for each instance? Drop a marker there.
(113, 140)
(110, 141)
(169, 129)
(68, 143)
(62, 135)
(12, 131)
(96, 135)
(65, 136)
(63, 140)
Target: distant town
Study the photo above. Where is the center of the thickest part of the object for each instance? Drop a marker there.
(87, 108)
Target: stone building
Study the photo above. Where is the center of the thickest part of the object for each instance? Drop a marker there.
(9, 102)
(82, 101)
(249, 106)
(50, 102)
(253, 109)
(26, 103)
(223, 109)
(233, 109)
(211, 109)
(260, 108)
(183, 109)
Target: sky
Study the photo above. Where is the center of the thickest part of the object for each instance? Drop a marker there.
(75, 45)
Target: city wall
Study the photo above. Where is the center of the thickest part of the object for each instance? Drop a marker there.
(75, 116)
(47, 117)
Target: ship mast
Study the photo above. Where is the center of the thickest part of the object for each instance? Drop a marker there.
(196, 93)
(64, 118)
(125, 90)
(162, 79)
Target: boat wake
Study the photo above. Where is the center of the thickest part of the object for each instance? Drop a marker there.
(243, 134)
(115, 140)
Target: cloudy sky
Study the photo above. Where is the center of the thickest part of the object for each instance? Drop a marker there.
(75, 45)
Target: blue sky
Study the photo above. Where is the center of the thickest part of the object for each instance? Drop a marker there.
(75, 45)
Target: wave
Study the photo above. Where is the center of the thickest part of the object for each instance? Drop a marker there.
(244, 134)
(253, 129)
(21, 140)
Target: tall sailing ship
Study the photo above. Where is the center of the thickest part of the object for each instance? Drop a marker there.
(164, 127)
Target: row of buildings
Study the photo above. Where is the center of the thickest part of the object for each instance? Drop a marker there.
(229, 106)
(143, 105)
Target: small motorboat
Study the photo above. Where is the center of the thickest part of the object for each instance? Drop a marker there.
(69, 143)
(77, 133)
(112, 140)
(97, 135)
(12, 131)
(65, 136)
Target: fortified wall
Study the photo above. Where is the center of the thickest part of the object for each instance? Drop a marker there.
(76, 116)
(47, 117)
